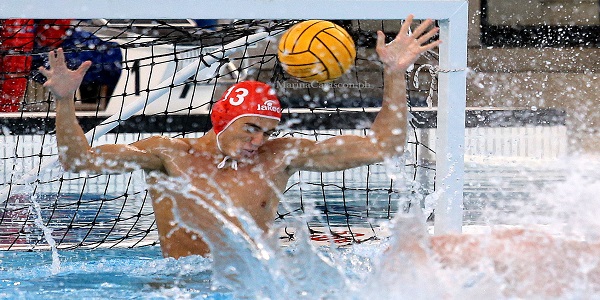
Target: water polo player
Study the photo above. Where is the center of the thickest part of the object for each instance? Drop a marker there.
(192, 181)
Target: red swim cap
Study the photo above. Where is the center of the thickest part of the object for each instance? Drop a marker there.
(247, 98)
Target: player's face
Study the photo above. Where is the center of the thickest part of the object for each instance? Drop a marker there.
(245, 135)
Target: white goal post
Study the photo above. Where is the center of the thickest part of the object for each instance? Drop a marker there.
(453, 20)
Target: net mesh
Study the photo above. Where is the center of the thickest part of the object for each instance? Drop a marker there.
(130, 60)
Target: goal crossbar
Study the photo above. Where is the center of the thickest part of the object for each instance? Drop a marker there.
(235, 9)
(451, 14)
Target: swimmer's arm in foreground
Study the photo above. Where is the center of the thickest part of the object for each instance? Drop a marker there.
(75, 154)
(388, 136)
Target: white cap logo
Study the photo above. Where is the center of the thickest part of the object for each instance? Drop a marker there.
(269, 105)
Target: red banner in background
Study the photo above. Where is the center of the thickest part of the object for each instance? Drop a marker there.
(18, 37)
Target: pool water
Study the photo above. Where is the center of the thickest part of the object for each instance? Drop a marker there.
(105, 274)
(563, 196)
(139, 273)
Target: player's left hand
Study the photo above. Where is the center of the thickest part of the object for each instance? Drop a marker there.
(406, 48)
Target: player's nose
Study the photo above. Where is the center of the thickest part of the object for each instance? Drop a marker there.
(258, 139)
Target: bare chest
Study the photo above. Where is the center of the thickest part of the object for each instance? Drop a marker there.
(256, 188)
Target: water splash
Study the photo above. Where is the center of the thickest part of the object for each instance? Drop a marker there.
(248, 261)
(406, 270)
(410, 264)
(38, 221)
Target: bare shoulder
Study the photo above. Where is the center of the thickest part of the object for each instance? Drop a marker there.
(162, 142)
(288, 145)
(289, 151)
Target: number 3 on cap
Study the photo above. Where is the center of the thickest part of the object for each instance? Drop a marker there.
(241, 93)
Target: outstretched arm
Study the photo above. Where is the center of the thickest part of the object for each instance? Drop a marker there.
(75, 154)
(388, 132)
(389, 127)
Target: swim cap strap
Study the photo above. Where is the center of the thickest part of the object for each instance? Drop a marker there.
(234, 164)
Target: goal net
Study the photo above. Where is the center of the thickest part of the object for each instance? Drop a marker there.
(161, 77)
